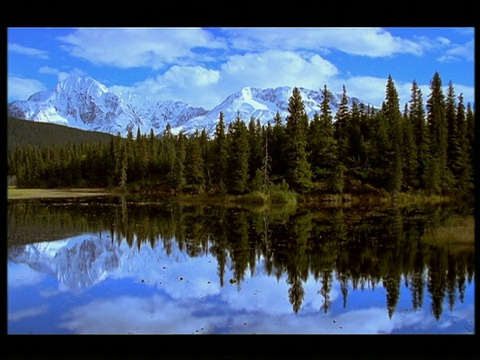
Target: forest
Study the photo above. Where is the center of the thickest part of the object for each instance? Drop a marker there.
(425, 147)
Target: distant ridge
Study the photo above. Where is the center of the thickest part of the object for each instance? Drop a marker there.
(24, 132)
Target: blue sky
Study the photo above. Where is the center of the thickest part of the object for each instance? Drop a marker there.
(202, 66)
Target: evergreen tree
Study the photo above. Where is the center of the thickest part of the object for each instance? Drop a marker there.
(176, 174)
(437, 129)
(298, 174)
(409, 153)
(341, 127)
(416, 118)
(255, 145)
(205, 150)
(277, 146)
(219, 153)
(391, 110)
(470, 118)
(238, 155)
(194, 164)
(461, 159)
(454, 151)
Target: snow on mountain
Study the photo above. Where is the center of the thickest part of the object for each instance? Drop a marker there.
(86, 104)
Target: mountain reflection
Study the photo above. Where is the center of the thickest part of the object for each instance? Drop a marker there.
(355, 249)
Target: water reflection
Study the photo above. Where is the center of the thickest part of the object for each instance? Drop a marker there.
(164, 268)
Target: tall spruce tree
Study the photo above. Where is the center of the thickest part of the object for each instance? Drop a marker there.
(453, 140)
(391, 110)
(464, 171)
(322, 147)
(277, 147)
(298, 173)
(194, 171)
(238, 154)
(438, 135)
(409, 152)
(416, 116)
(341, 127)
(219, 154)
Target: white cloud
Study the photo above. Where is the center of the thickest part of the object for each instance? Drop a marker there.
(138, 47)
(19, 49)
(61, 75)
(22, 314)
(22, 89)
(187, 76)
(458, 52)
(275, 68)
(371, 42)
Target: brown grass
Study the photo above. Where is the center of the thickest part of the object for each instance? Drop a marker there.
(14, 193)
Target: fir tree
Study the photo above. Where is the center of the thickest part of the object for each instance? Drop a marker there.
(194, 164)
(416, 116)
(277, 147)
(437, 129)
(298, 174)
(238, 154)
(341, 127)
(219, 156)
(322, 147)
(391, 110)
(409, 152)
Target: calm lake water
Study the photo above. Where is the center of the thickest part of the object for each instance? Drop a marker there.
(112, 266)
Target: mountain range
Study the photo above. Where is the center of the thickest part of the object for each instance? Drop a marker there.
(86, 104)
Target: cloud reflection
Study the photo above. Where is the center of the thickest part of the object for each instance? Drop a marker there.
(30, 312)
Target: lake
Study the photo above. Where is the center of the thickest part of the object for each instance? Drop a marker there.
(141, 266)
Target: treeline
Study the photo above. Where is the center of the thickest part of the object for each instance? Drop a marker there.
(358, 150)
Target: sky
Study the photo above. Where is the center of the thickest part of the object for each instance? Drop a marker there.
(203, 66)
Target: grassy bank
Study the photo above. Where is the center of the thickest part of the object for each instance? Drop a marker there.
(14, 193)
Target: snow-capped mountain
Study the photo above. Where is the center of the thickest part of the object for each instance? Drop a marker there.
(87, 259)
(86, 104)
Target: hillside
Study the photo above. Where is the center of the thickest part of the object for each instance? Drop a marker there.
(25, 132)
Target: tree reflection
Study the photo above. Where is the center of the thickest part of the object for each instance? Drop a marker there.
(359, 248)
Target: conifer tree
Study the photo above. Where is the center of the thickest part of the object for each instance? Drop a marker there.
(416, 115)
(238, 154)
(437, 129)
(322, 147)
(219, 153)
(341, 127)
(391, 110)
(194, 164)
(277, 147)
(255, 146)
(465, 171)
(409, 152)
(176, 174)
(454, 151)
(470, 118)
(298, 173)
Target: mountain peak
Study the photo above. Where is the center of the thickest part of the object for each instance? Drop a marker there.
(80, 84)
